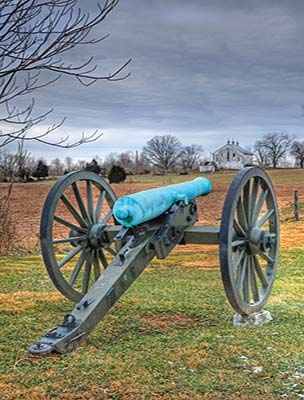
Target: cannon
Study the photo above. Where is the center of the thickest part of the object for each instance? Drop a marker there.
(95, 246)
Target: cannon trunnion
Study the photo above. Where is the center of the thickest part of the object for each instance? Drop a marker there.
(93, 255)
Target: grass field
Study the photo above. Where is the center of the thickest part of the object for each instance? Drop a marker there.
(169, 337)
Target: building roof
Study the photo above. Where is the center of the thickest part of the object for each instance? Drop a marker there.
(235, 146)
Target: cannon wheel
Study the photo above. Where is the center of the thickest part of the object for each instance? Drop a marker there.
(249, 240)
(77, 206)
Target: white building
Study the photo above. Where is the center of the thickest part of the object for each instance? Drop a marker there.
(207, 166)
(232, 156)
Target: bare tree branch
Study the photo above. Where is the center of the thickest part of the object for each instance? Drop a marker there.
(34, 36)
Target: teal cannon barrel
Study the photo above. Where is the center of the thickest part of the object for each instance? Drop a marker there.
(143, 206)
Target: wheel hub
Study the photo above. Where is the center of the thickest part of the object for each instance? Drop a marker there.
(97, 236)
(259, 240)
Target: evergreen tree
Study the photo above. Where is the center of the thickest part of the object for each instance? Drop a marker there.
(93, 167)
(117, 174)
(41, 171)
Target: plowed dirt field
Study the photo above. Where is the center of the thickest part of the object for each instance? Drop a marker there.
(28, 198)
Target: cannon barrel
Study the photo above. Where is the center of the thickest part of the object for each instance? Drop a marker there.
(143, 206)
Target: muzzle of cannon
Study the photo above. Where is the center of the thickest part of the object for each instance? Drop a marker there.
(95, 246)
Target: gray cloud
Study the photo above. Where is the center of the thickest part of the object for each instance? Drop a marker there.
(201, 70)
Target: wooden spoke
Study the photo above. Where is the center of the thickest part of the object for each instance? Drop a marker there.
(241, 215)
(87, 273)
(80, 203)
(103, 259)
(99, 205)
(266, 257)
(73, 211)
(238, 258)
(78, 266)
(237, 243)
(246, 285)
(253, 197)
(253, 281)
(70, 225)
(259, 271)
(238, 229)
(96, 265)
(90, 201)
(241, 275)
(69, 256)
(259, 205)
(246, 202)
(264, 218)
(110, 250)
(106, 219)
(69, 239)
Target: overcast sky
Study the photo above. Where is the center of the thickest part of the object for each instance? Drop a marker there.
(202, 70)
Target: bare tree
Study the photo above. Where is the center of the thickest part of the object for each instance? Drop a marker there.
(110, 160)
(275, 146)
(19, 165)
(56, 167)
(297, 150)
(23, 162)
(190, 156)
(163, 152)
(80, 165)
(142, 165)
(69, 164)
(261, 154)
(127, 161)
(35, 35)
(7, 166)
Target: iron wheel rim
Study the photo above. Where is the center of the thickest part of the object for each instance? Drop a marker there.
(56, 194)
(243, 269)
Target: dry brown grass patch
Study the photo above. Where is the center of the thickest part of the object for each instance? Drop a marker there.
(11, 391)
(20, 301)
(292, 235)
(167, 321)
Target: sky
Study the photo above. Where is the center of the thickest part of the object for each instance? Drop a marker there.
(204, 71)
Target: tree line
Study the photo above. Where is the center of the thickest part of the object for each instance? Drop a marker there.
(274, 147)
(160, 155)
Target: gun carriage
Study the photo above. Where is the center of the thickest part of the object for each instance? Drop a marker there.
(107, 243)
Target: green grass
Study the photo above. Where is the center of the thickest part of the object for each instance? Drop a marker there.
(169, 337)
